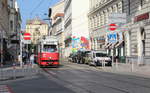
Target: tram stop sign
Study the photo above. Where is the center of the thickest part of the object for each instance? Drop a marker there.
(27, 36)
(112, 27)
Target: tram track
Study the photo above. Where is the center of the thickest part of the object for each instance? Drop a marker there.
(83, 88)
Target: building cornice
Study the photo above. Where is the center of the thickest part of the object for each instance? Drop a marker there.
(101, 6)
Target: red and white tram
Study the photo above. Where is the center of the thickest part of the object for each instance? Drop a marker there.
(47, 53)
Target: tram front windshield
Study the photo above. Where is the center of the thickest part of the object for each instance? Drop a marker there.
(49, 48)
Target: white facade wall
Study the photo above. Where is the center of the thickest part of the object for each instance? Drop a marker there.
(75, 21)
(79, 18)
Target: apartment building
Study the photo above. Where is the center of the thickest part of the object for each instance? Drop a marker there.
(76, 25)
(57, 30)
(99, 13)
(137, 36)
(14, 28)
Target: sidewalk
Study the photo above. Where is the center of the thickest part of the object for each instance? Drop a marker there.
(128, 69)
(10, 72)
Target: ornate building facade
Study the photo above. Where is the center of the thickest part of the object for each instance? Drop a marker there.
(135, 45)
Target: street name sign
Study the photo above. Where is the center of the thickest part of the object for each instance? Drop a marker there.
(117, 18)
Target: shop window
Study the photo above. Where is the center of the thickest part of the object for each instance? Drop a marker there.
(143, 37)
(11, 25)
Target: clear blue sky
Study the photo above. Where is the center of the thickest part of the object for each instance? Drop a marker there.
(32, 8)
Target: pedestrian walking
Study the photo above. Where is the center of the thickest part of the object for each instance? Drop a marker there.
(19, 59)
(32, 59)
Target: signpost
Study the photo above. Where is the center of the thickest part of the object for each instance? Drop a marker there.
(24, 39)
(116, 21)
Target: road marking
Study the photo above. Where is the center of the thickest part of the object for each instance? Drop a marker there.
(5, 89)
(52, 72)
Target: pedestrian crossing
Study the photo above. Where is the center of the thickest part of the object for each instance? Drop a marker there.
(5, 89)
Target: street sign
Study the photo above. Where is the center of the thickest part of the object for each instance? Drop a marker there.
(27, 36)
(26, 41)
(112, 37)
(112, 27)
(118, 18)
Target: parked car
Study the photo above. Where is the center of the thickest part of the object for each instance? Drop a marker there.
(96, 58)
(73, 57)
(81, 56)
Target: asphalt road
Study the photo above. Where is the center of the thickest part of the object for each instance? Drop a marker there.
(79, 78)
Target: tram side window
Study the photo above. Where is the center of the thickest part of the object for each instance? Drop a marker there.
(50, 48)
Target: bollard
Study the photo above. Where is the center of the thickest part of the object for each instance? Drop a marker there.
(104, 62)
(23, 69)
(1, 65)
(132, 65)
(14, 71)
(116, 63)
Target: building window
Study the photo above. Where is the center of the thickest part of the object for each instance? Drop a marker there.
(129, 7)
(106, 16)
(11, 3)
(120, 9)
(11, 25)
(102, 18)
(115, 9)
(95, 21)
(99, 20)
(143, 37)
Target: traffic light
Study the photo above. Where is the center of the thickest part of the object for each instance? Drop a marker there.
(49, 12)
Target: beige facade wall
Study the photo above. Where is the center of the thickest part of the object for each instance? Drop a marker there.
(57, 8)
(37, 28)
(75, 22)
(58, 24)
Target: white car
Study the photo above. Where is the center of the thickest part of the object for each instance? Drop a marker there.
(99, 58)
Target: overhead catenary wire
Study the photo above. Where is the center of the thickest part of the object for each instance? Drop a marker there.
(35, 8)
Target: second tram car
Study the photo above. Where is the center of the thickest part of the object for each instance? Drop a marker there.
(48, 54)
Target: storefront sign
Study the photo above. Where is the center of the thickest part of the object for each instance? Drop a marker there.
(141, 17)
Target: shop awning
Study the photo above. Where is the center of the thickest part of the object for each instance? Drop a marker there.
(119, 43)
(113, 45)
(108, 45)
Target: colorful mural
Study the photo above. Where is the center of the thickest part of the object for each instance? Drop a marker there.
(80, 43)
